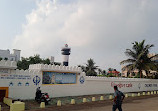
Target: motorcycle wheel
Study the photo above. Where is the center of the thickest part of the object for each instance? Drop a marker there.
(46, 102)
(42, 100)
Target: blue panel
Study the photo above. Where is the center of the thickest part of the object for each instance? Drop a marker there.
(58, 78)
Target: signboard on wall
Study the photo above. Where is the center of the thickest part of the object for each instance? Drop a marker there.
(122, 85)
(58, 78)
(4, 70)
(14, 76)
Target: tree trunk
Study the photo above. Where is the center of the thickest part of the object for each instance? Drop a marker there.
(140, 72)
(147, 73)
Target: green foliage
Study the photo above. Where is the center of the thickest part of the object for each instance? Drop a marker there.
(82, 67)
(25, 62)
(104, 71)
(91, 73)
(46, 61)
(100, 71)
(138, 58)
(5, 58)
(110, 69)
(101, 75)
(110, 75)
(137, 75)
(57, 63)
(90, 68)
(1, 58)
(155, 76)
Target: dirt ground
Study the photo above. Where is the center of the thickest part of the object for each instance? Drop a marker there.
(149, 104)
(142, 103)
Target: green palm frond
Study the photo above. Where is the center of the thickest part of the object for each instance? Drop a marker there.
(130, 53)
(156, 55)
(127, 61)
(129, 67)
(138, 58)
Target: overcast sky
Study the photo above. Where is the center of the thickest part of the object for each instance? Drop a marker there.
(97, 29)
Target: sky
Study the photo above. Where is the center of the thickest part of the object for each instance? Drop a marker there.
(97, 29)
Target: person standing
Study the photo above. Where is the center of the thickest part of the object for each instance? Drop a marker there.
(118, 98)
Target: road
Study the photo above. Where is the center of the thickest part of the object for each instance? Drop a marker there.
(143, 103)
(150, 104)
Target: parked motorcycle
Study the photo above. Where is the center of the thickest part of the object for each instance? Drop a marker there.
(42, 97)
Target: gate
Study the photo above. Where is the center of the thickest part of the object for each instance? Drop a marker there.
(3, 93)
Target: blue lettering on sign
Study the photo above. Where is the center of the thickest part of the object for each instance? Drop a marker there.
(36, 80)
(82, 79)
(8, 76)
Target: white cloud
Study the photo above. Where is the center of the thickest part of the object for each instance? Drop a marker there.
(99, 29)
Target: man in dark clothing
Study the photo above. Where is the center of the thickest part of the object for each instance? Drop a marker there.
(118, 98)
(38, 93)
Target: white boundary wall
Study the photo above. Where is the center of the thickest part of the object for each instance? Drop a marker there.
(22, 84)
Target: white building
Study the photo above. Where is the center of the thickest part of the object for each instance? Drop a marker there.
(51, 58)
(15, 56)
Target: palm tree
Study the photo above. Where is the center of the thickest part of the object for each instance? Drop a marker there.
(104, 72)
(90, 68)
(139, 59)
(100, 71)
(82, 67)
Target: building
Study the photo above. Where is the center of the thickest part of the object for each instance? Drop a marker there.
(125, 72)
(15, 56)
(51, 58)
(114, 73)
(154, 58)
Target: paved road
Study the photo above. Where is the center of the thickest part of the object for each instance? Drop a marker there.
(149, 104)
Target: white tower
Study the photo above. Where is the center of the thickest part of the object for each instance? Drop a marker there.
(65, 52)
(17, 54)
(51, 58)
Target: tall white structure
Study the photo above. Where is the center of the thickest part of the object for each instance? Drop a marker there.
(65, 52)
(51, 58)
(15, 56)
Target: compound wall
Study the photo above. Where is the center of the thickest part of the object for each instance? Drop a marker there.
(22, 84)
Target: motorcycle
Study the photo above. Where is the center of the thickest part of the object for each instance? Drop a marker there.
(43, 98)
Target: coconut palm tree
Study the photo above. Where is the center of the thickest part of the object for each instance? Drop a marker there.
(90, 68)
(100, 71)
(82, 67)
(139, 59)
(104, 72)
